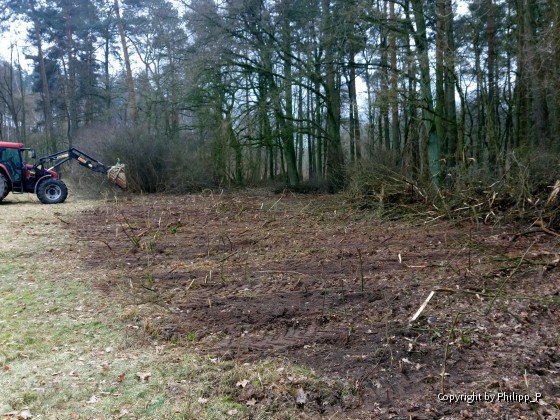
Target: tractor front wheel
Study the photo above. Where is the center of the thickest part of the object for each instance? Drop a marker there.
(4, 190)
(52, 191)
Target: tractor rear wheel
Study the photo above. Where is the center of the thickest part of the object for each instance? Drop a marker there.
(3, 187)
(52, 191)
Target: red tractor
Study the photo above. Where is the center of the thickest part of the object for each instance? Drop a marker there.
(17, 176)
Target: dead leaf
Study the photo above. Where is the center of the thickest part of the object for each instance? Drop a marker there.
(143, 376)
(121, 377)
(242, 384)
(301, 397)
(23, 415)
(251, 402)
(122, 413)
(93, 399)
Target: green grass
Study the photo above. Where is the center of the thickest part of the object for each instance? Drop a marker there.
(57, 358)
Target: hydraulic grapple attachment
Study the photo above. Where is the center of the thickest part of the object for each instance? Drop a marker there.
(117, 175)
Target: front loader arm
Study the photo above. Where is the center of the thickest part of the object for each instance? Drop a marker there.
(116, 174)
(82, 158)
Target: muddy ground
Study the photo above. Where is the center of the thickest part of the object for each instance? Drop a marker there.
(306, 279)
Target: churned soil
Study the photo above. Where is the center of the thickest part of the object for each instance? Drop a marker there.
(308, 280)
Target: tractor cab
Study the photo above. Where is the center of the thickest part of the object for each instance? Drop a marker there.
(13, 157)
(18, 176)
(11, 161)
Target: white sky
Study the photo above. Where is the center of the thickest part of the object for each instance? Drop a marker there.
(14, 34)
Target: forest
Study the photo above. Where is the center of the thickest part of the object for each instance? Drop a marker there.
(309, 94)
(354, 214)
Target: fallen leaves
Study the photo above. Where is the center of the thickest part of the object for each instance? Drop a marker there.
(242, 384)
(19, 415)
(301, 397)
(143, 376)
(124, 412)
(93, 399)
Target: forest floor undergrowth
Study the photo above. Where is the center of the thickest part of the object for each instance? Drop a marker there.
(260, 305)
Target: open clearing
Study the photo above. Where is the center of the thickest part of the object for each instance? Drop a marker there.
(279, 306)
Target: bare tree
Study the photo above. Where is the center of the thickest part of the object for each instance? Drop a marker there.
(133, 110)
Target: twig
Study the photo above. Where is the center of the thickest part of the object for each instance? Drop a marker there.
(422, 307)
(281, 272)
(100, 240)
(361, 269)
(277, 201)
(189, 286)
(495, 295)
(503, 283)
(446, 352)
(389, 342)
(386, 239)
(324, 302)
(131, 236)
(470, 243)
(228, 256)
(540, 229)
(62, 220)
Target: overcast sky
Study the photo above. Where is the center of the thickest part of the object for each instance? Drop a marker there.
(14, 34)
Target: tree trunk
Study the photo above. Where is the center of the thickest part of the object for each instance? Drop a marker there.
(287, 119)
(132, 109)
(299, 135)
(47, 110)
(354, 115)
(395, 126)
(432, 145)
(371, 116)
(440, 89)
(23, 132)
(450, 79)
(446, 119)
(318, 124)
(533, 66)
(72, 105)
(384, 95)
(331, 83)
(492, 121)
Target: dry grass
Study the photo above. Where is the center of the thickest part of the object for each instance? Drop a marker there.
(67, 351)
(71, 350)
